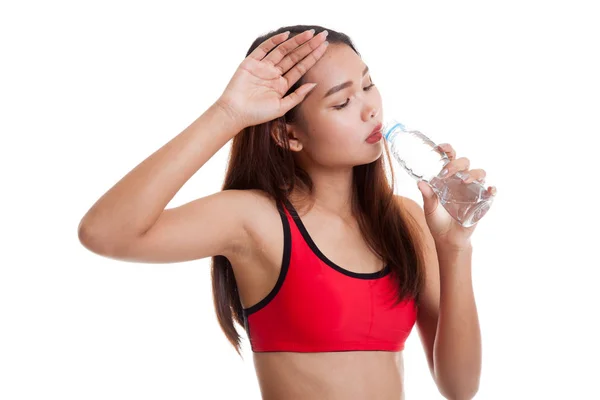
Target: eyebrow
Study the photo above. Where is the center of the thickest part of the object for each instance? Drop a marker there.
(344, 85)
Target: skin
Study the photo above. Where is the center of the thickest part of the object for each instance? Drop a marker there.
(327, 142)
(333, 375)
(130, 221)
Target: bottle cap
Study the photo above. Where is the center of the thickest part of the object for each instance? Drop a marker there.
(392, 126)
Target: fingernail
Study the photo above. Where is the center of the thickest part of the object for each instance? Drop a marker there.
(444, 172)
(465, 176)
(325, 33)
(312, 31)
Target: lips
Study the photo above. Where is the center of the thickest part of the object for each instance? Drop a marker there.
(376, 130)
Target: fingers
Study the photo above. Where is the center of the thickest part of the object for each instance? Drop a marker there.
(454, 166)
(473, 175)
(448, 149)
(295, 56)
(294, 98)
(298, 54)
(294, 74)
(289, 46)
(460, 168)
(265, 47)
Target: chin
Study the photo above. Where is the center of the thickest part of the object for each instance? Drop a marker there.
(372, 157)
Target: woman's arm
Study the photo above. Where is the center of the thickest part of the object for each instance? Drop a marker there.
(447, 322)
(129, 210)
(457, 349)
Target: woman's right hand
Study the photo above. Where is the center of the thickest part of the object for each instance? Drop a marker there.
(255, 93)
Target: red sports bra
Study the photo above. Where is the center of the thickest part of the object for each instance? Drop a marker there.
(318, 306)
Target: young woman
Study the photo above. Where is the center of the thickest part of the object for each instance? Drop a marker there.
(313, 254)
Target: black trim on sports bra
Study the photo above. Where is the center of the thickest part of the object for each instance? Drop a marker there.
(285, 263)
(360, 275)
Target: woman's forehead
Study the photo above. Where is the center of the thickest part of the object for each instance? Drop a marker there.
(339, 63)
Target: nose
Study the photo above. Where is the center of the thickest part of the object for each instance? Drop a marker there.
(370, 112)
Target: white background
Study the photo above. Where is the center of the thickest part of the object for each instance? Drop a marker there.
(90, 89)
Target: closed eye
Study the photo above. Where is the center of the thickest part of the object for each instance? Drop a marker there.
(339, 107)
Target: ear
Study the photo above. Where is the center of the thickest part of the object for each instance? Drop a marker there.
(281, 130)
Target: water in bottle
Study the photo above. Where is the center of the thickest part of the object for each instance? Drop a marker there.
(424, 161)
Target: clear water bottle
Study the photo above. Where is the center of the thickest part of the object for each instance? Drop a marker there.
(424, 161)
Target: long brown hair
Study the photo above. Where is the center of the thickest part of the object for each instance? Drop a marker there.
(257, 162)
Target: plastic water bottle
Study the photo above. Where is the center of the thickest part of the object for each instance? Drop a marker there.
(424, 161)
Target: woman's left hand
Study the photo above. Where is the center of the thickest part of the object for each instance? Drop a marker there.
(445, 230)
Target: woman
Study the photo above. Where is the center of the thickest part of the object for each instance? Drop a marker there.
(326, 268)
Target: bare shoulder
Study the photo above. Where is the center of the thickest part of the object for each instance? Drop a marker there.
(254, 212)
(414, 209)
(256, 205)
(257, 198)
(417, 214)
(260, 215)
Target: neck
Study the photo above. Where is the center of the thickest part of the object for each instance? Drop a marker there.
(332, 191)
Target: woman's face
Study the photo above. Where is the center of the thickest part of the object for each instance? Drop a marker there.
(335, 120)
